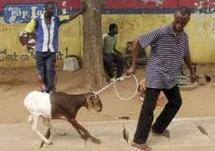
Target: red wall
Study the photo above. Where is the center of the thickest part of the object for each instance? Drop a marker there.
(111, 4)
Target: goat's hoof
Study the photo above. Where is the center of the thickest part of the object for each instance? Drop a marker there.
(95, 140)
(49, 142)
(84, 137)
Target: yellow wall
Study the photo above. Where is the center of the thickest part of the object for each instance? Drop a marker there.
(201, 30)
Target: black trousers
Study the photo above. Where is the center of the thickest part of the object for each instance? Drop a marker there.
(113, 60)
(146, 115)
(45, 63)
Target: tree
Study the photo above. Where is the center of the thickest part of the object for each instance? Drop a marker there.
(92, 54)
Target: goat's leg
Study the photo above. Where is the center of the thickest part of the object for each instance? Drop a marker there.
(47, 122)
(94, 140)
(84, 131)
(43, 137)
(34, 128)
(34, 118)
(80, 132)
(47, 135)
(82, 135)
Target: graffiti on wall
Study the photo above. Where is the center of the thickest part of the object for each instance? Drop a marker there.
(11, 56)
(7, 29)
(6, 56)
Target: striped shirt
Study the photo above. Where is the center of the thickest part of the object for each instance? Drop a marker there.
(167, 53)
(46, 35)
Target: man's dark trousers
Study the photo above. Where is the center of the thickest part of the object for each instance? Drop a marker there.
(146, 115)
(45, 63)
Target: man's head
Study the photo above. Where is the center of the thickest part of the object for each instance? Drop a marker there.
(49, 9)
(113, 28)
(181, 18)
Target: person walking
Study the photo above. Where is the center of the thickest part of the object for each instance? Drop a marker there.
(169, 47)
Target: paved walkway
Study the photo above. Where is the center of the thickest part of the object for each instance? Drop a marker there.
(184, 136)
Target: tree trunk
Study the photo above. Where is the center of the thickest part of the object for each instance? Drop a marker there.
(92, 33)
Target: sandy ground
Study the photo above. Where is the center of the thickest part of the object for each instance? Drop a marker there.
(16, 83)
(188, 138)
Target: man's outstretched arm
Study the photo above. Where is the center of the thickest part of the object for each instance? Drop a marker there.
(73, 16)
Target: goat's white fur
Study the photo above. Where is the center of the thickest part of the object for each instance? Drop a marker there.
(38, 104)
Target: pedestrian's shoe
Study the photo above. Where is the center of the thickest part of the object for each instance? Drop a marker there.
(165, 133)
(142, 147)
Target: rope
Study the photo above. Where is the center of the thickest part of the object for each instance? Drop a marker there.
(188, 86)
(133, 95)
(185, 84)
(116, 91)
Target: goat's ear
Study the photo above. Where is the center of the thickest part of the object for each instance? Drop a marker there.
(89, 102)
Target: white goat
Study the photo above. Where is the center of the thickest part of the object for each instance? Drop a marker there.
(60, 105)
